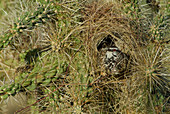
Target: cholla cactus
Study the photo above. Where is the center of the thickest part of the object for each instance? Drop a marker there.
(45, 12)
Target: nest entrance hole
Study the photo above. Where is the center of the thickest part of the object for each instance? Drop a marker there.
(108, 41)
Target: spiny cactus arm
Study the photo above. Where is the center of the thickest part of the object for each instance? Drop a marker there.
(28, 81)
(29, 21)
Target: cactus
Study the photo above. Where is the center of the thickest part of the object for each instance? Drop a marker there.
(29, 21)
(29, 76)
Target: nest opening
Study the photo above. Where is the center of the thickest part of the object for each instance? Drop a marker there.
(105, 42)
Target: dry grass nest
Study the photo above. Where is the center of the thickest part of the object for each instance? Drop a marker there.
(133, 90)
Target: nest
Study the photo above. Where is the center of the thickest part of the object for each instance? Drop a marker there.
(107, 23)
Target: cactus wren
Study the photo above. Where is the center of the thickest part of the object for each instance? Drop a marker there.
(112, 59)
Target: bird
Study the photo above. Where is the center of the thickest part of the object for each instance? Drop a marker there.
(112, 59)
